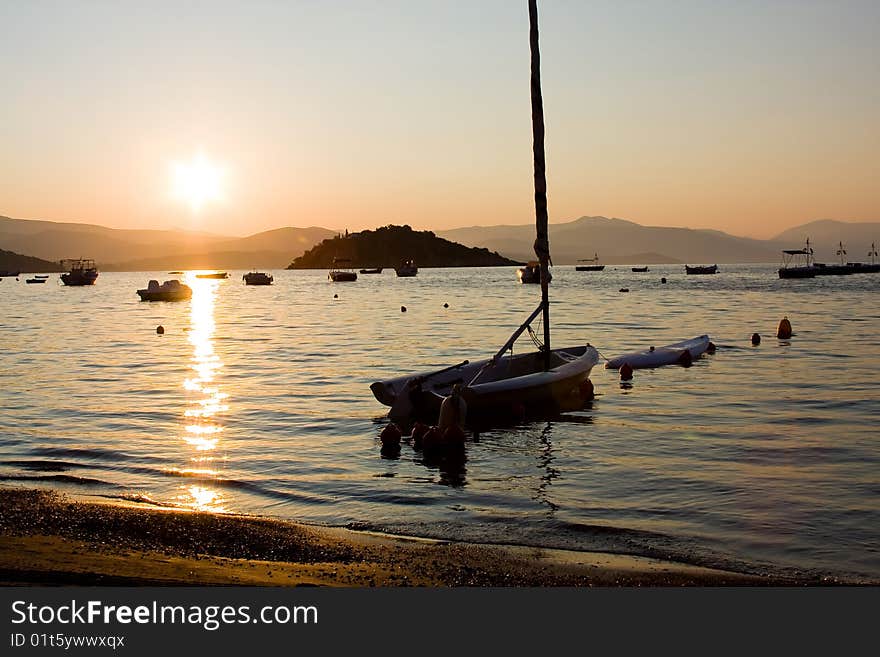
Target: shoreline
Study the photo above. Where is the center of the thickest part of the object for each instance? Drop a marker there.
(48, 538)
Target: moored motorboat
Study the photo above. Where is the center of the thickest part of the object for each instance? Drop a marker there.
(682, 353)
(798, 263)
(35, 279)
(172, 290)
(257, 278)
(340, 273)
(640, 269)
(701, 269)
(80, 271)
(407, 269)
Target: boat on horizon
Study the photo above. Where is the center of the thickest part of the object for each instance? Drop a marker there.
(341, 271)
(701, 269)
(640, 269)
(80, 271)
(172, 290)
(216, 274)
(798, 263)
(593, 267)
(375, 270)
(407, 269)
(35, 280)
(257, 278)
(507, 386)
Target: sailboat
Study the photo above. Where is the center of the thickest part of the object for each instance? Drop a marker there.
(508, 384)
(595, 266)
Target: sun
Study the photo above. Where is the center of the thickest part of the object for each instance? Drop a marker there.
(197, 182)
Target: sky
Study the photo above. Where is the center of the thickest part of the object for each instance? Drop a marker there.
(747, 117)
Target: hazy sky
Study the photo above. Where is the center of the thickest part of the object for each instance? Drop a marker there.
(743, 116)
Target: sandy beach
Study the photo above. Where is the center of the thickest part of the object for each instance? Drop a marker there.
(47, 538)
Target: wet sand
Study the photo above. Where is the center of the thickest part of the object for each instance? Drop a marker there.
(47, 538)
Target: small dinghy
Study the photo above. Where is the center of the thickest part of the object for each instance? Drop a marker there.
(670, 354)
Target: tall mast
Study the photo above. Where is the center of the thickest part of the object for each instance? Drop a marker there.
(542, 241)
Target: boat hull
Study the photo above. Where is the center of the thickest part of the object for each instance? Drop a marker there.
(589, 267)
(77, 279)
(712, 269)
(515, 383)
(660, 356)
(797, 272)
(342, 276)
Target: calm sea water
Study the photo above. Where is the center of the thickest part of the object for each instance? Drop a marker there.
(256, 399)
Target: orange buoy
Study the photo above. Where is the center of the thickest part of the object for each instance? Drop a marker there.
(335, 296)
(784, 329)
(390, 435)
(756, 339)
(160, 330)
(663, 280)
(403, 309)
(626, 372)
(446, 305)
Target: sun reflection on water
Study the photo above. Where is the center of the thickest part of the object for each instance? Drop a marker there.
(203, 428)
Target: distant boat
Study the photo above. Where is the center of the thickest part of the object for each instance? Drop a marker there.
(594, 267)
(531, 273)
(701, 269)
(377, 270)
(172, 290)
(798, 263)
(640, 269)
(408, 268)
(341, 273)
(257, 278)
(216, 274)
(41, 275)
(81, 271)
(35, 279)
(175, 272)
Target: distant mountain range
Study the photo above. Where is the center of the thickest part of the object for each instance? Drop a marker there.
(389, 246)
(616, 241)
(151, 250)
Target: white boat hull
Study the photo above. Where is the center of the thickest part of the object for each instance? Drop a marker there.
(513, 381)
(667, 355)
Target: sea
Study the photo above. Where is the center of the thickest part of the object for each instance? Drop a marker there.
(759, 458)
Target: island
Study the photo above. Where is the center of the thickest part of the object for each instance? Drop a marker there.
(390, 245)
(16, 262)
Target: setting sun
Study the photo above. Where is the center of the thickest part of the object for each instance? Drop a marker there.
(197, 182)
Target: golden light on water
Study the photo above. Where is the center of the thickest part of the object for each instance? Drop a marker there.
(202, 427)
